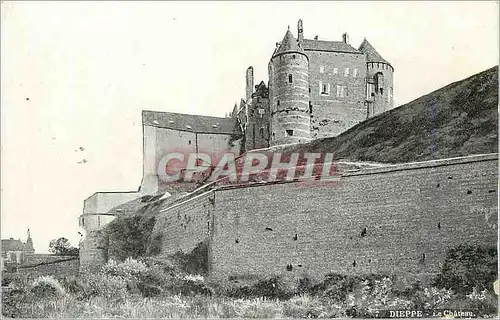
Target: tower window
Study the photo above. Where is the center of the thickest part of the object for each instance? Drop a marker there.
(335, 70)
(355, 73)
(293, 56)
(322, 69)
(261, 132)
(381, 91)
(324, 88)
(341, 91)
(346, 72)
(289, 133)
(290, 78)
(278, 103)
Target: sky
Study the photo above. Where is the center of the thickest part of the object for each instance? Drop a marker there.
(77, 74)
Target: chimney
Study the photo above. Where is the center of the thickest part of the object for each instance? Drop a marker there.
(249, 84)
(300, 31)
(345, 37)
(316, 37)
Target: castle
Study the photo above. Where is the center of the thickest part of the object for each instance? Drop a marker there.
(316, 89)
(386, 219)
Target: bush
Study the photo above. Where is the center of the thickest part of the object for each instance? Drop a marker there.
(467, 267)
(130, 269)
(194, 262)
(129, 236)
(47, 286)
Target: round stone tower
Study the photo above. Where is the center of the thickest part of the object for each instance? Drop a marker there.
(289, 93)
(379, 80)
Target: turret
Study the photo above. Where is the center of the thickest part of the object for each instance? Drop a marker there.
(289, 93)
(379, 84)
(300, 31)
(249, 83)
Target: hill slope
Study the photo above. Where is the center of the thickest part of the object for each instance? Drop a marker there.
(457, 120)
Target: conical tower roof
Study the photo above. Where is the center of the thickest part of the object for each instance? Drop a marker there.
(289, 44)
(371, 54)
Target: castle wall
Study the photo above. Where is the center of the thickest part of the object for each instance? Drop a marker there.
(95, 208)
(158, 142)
(331, 114)
(408, 210)
(93, 251)
(183, 226)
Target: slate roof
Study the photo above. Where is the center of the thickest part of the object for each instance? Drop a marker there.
(12, 245)
(371, 54)
(190, 122)
(334, 46)
(288, 44)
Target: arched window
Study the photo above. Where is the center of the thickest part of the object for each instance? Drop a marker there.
(379, 81)
(290, 79)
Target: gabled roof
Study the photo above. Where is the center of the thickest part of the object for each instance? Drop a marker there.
(288, 44)
(371, 54)
(12, 245)
(189, 122)
(334, 46)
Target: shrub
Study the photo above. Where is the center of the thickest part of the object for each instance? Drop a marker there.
(484, 302)
(111, 287)
(467, 267)
(371, 296)
(194, 262)
(129, 236)
(128, 269)
(47, 286)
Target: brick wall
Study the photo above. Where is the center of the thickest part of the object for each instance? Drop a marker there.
(182, 226)
(408, 210)
(51, 265)
(332, 115)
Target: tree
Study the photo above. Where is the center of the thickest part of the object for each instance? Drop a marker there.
(62, 247)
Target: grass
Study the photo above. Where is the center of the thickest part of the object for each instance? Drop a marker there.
(151, 288)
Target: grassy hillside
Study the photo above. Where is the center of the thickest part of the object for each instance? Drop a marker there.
(464, 122)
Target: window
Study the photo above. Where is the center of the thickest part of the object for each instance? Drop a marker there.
(98, 221)
(324, 88)
(335, 70)
(322, 69)
(346, 72)
(293, 56)
(289, 133)
(261, 112)
(261, 132)
(290, 79)
(341, 90)
(278, 103)
(355, 73)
